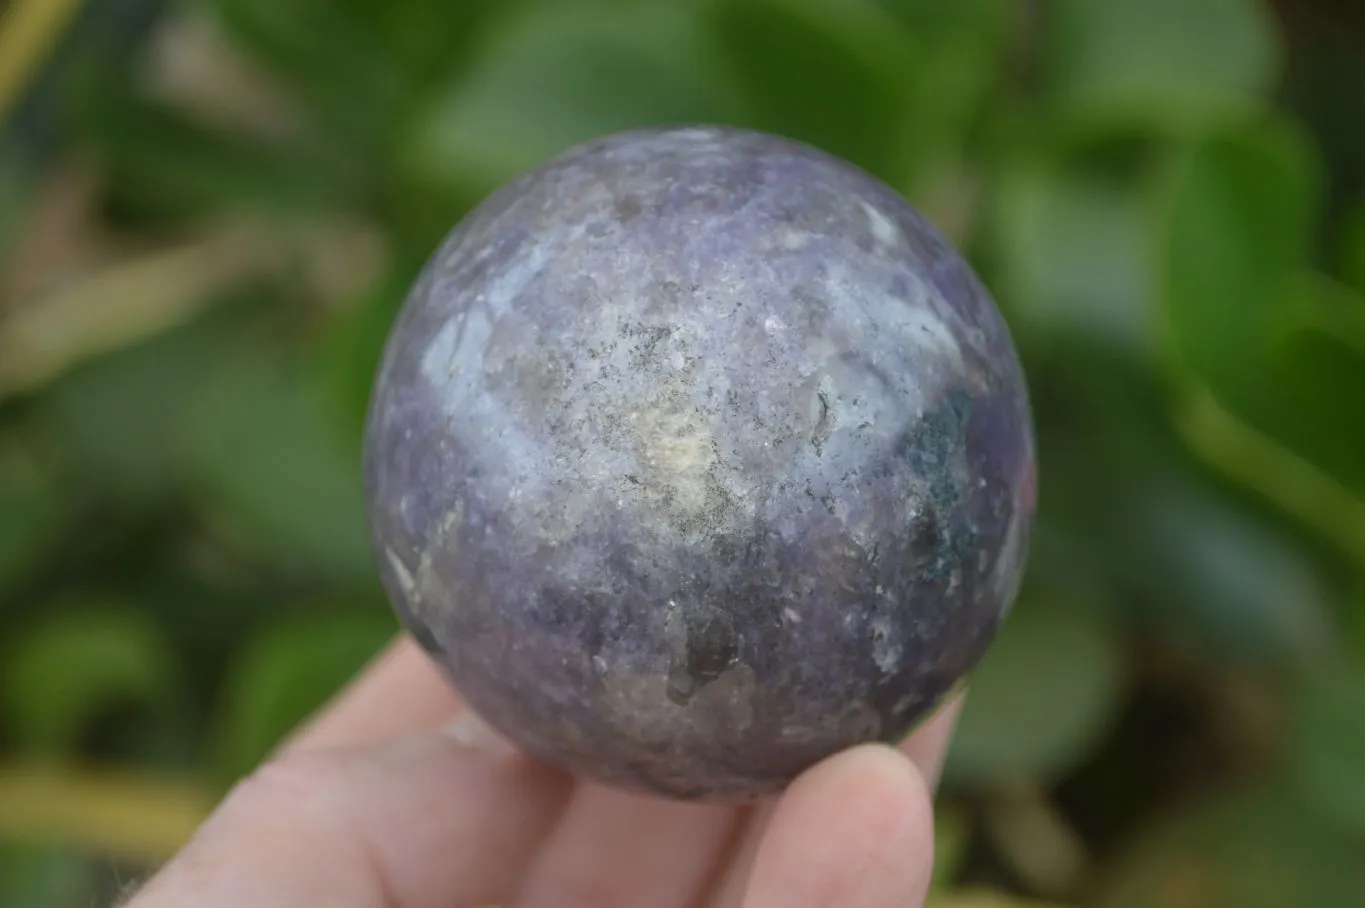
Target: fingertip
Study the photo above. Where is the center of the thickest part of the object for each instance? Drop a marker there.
(855, 830)
(881, 785)
(863, 765)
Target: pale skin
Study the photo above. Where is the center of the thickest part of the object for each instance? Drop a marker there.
(395, 796)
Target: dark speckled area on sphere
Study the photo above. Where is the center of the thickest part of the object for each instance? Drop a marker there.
(695, 456)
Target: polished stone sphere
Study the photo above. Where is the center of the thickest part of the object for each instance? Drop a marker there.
(697, 455)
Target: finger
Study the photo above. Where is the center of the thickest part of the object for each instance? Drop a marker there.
(612, 850)
(855, 831)
(733, 878)
(400, 692)
(439, 820)
(928, 745)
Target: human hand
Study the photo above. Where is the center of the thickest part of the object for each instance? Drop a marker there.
(394, 796)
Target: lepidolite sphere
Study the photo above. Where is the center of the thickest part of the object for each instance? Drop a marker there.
(697, 455)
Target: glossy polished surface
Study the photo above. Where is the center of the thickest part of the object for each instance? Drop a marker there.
(697, 455)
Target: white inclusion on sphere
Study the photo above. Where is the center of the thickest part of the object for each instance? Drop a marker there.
(882, 228)
(406, 583)
(886, 652)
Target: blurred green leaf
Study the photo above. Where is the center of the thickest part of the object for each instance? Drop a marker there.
(957, 73)
(1237, 230)
(1310, 402)
(122, 419)
(1076, 258)
(31, 507)
(1029, 709)
(1240, 851)
(275, 471)
(1232, 583)
(963, 52)
(1353, 249)
(45, 876)
(840, 76)
(1355, 620)
(1307, 393)
(1328, 744)
(1301, 488)
(349, 354)
(1276, 346)
(419, 38)
(1332, 308)
(159, 161)
(285, 674)
(553, 76)
(936, 20)
(1280, 347)
(81, 659)
(326, 55)
(1163, 65)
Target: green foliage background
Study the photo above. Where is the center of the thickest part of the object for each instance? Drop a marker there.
(210, 210)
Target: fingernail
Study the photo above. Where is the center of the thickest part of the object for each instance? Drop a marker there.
(472, 732)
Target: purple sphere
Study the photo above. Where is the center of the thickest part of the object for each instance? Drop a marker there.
(697, 455)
